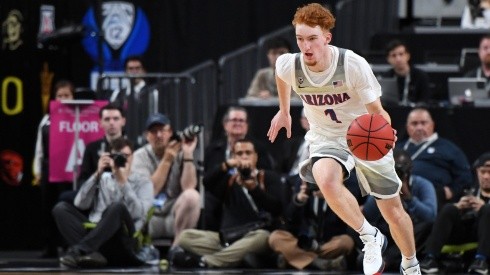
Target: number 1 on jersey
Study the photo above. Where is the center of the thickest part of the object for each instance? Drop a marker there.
(331, 113)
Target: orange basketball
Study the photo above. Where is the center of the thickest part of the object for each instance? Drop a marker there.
(370, 137)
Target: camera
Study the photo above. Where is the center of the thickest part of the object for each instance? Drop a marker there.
(308, 243)
(469, 214)
(469, 191)
(119, 159)
(188, 133)
(245, 173)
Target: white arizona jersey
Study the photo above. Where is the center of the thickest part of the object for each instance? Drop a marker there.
(335, 97)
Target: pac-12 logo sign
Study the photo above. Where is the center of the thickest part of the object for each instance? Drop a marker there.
(118, 19)
(126, 32)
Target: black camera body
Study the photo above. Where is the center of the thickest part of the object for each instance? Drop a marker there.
(308, 243)
(245, 173)
(188, 133)
(119, 159)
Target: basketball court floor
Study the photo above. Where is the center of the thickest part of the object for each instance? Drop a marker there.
(29, 262)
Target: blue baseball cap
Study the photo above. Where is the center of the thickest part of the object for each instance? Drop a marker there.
(157, 119)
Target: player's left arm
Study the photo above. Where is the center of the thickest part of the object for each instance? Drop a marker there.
(375, 107)
(363, 80)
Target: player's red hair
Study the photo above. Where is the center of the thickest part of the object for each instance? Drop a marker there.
(314, 15)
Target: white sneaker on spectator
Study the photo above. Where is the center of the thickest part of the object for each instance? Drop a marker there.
(374, 246)
(414, 270)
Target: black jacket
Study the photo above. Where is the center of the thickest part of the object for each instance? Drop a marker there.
(236, 208)
(91, 158)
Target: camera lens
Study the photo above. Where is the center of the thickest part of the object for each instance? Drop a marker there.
(245, 173)
(119, 160)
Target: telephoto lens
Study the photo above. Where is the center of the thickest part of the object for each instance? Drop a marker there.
(188, 133)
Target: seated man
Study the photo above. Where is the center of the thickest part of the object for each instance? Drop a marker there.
(482, 71)
(413, 83)
(250, 200)
(315, 237)
(264, 82)
(463, 222)
(170, 165)
(118, 201)
(235, 125)
(435, 158)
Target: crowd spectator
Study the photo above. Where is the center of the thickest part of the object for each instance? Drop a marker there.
(412, 82)
(169, 162)
(476, 15)
(435, 158)
(118, 200)
(50, 191)
(314, 237)
(483, 70)
(263, 84)
(250, 199)
(467, 220)
(236, 125)
(112, 121)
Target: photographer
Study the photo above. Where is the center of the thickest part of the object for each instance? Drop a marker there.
(118, 200)
(314, 237)
(249, 199)
(169, 162)
(468, 220)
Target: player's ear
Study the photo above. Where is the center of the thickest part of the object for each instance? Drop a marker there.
(328, 37)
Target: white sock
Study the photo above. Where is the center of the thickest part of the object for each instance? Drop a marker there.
(408, 262)
(366, 229)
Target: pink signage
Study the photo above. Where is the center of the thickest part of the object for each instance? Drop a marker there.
(65, 154)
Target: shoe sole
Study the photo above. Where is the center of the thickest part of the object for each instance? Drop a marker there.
(380, 271)
(68, 263)
(473, 271)
(429, 270)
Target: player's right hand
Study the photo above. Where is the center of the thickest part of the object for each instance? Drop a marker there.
(280, 120)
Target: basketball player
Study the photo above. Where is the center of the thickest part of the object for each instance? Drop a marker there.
(337, 85)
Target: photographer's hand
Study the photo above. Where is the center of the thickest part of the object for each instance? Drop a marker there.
(188, 147)
(405, 193)
(243, 164)
(463, 203)
(121, 173)
(105, 161)
(171, 151)
(476, 203)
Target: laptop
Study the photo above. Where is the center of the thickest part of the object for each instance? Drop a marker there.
(460, 88)
(389, 91)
